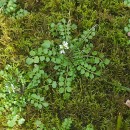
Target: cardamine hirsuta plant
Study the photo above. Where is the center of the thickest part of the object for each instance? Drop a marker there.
(67, 56)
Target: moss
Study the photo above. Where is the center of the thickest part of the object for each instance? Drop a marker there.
(98, 101)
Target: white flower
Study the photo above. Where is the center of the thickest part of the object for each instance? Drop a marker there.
(61, 46)
(65, 44)
(62, 52)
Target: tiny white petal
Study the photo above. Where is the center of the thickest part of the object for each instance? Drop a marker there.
(66, 47)
(62, 52)
(61, 46)
(65, 43)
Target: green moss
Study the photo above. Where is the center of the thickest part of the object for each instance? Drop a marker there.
(97, 101)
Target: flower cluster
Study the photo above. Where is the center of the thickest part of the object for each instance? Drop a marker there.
(63, 47)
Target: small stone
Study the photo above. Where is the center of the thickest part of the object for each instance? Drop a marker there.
(128, 34)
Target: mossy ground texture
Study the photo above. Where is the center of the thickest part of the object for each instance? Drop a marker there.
(99, 101)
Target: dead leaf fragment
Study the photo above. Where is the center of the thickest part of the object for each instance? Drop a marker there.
(128, 103)
(128, 34)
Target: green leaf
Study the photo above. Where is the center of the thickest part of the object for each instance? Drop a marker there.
(41, 72)
(53, 59)
(65, 63)
(85, 32)
(2, 3)
(79, 68)
(40, 128)
(101, 64)
(38, 97)
(36, 68)
(125, 2)
(34, 95)
(126, 29)
(66, 96)
(128, 5)
(87, 50)
(56, 67)
(32, 101)
(61, 83)
(94, 53)
(46, 44)
(46, 87)
(61, 27)
(91, 45)
(47, 59)
(45, 104)
(61, 78)
(93, 29)
(2, 95)
(70, 73)
(32, 53)
(29, 61)
(89, 67)
(36, 104)
(50, 53)
(119, 122)
(90, 37)
(86, 65)
(82, 63)
(93, 33)
(63, 20)
(38, 123)
(68, 89)
(38, 75)
(91, 76)
(53, 51)
(68, 83)
(82, 71)
(52, 25)
(11, 123)
(107, 61)
(15, 118)
(54, 84)
(61, 90)
(90, 127)
(87, 74)
(42, 58)
(45, 51)
(97, 60)
(40, 51)
(128, 42)
(93, 68)
(39, 106)
(58, 60)
(101, 55)
(42, 99)
(36, 59)
(86, 40)
(62, 33)
(49, 80)
(74, 26)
